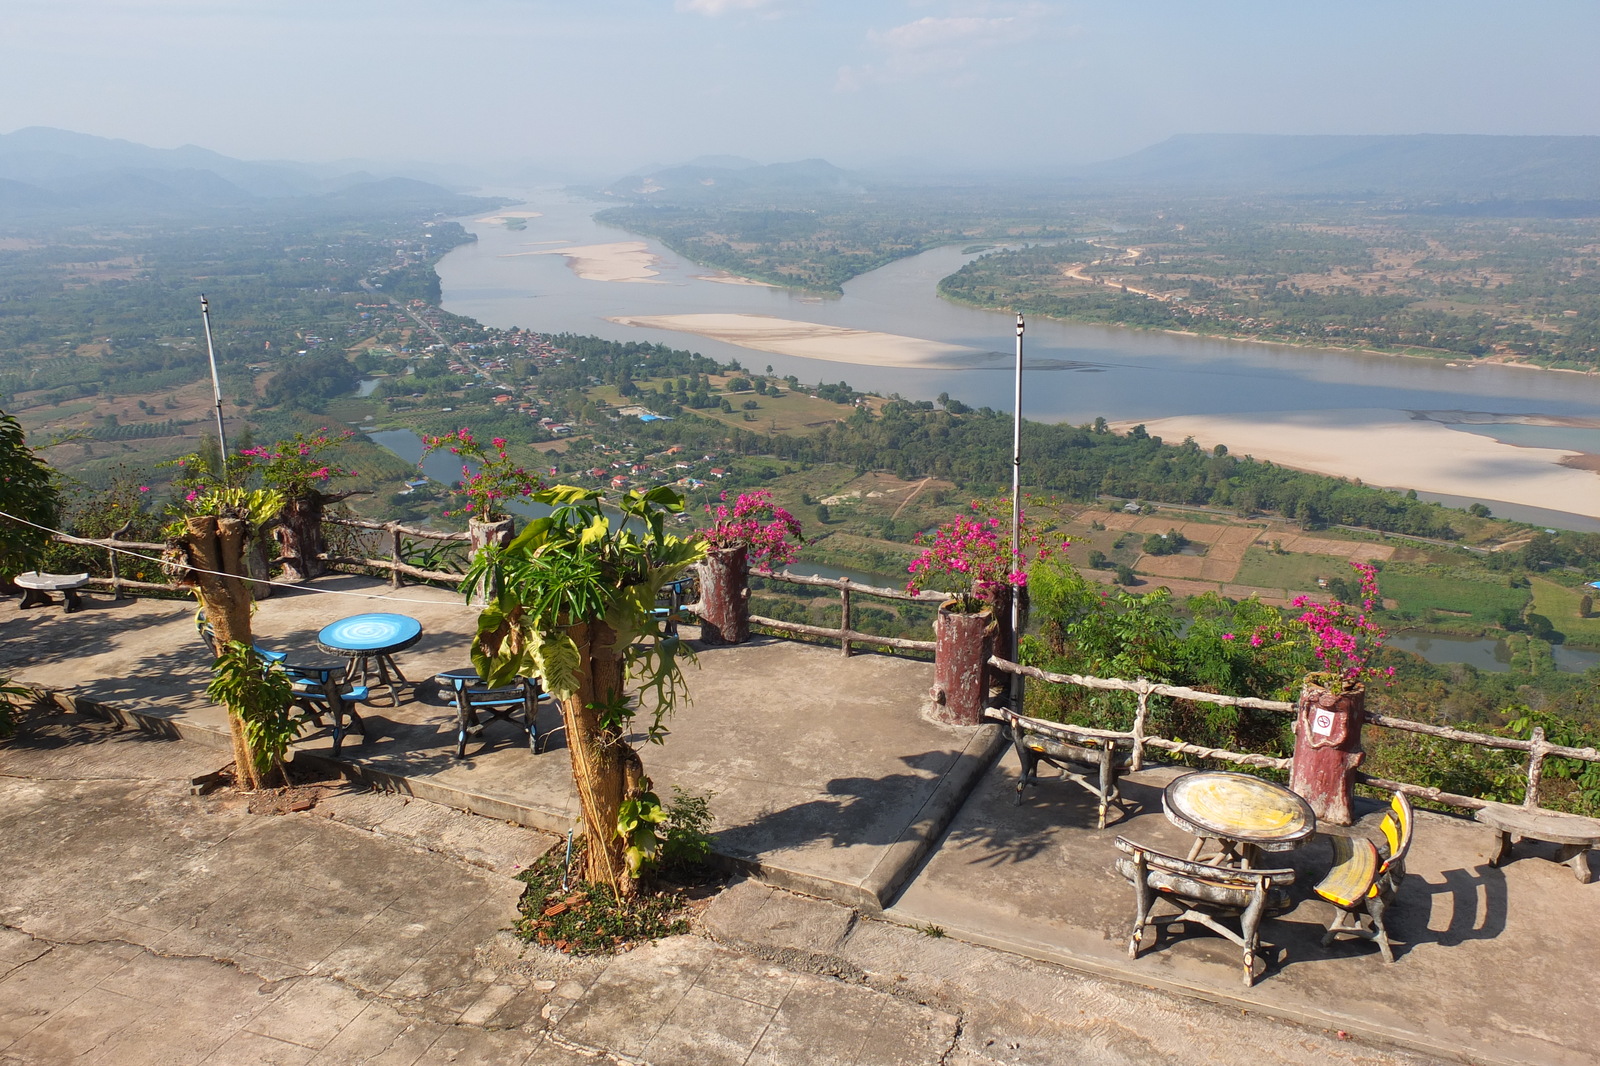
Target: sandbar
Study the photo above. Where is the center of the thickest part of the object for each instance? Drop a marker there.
(1395, 450)
(505, 215)
(809, 340)
(734, 279)
(619, 261)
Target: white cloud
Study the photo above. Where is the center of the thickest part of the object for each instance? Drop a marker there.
(931, 46)
(720, 7)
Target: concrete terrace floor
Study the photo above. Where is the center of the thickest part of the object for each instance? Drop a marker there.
(828, 780)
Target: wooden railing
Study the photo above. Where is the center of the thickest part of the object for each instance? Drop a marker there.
(394, 538)
(1538, 748)
(844, 634)
(395, 534)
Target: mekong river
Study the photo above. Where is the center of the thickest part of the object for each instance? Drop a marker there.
(1073, 372)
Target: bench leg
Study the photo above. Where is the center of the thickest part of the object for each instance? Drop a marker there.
(1577, 857)
(34, 598)
(1502, 849)
(74, 603)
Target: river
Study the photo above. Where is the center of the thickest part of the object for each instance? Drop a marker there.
(1075, 372)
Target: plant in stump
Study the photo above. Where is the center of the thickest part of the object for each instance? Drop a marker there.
(206, 551)
(572, 603)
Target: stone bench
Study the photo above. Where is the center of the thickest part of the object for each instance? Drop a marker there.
(36, 587)
(1576, 834)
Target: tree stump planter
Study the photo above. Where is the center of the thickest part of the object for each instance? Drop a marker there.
(1327, 749)
(301, 542)
(963, 642)
(497, 532)
(725, 596)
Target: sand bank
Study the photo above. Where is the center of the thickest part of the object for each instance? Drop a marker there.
(620, 261)
(734, 279)
(809, 340)
(1391, 449)
(502, 217)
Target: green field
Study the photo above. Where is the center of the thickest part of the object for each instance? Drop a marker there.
(1478, 599)
(1560, 605)
(1262, 568)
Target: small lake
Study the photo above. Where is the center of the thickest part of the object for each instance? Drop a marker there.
(1491, 656)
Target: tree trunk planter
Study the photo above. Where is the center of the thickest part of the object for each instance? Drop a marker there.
(1327, 749)
(1003, 642)
(725, 596)
(497, 532)
(962, 644)
(259, 567)
(301, 543)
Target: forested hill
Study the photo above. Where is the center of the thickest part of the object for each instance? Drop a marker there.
(1456, 166)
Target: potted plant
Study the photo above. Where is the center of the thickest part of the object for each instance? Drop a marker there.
(490, 479)
(572, 596)
(1332, 706)
(754, 531)
(966, 558)
(299, 469)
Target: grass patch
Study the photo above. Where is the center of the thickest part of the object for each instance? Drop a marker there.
(1481, 599)
(1264, 568)
(1560, 604)
(587, 919)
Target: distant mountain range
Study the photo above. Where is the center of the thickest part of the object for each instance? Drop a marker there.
(59, 174)
(1455, 166)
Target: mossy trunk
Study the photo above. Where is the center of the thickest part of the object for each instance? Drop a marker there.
(214, 550)
(605, 767)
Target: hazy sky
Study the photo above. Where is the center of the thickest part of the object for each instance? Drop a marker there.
(618, 83)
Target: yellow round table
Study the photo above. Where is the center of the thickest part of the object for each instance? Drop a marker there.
(1244, 814)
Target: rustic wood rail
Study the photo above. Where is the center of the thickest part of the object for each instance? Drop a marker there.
(1537, 747)
(844, 634)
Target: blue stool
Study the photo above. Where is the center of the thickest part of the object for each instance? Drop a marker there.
(470, 696)
(317, 690)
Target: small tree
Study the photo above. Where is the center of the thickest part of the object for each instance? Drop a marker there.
(573, 596)
(29, 498)
(206, 550)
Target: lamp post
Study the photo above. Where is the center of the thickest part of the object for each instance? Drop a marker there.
(216, 390)
(1016, 522)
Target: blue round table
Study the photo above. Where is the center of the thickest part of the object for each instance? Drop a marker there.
(368, 641)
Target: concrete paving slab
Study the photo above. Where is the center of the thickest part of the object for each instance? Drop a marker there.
(827, 777)
(1484, 967)
(1019, 1011)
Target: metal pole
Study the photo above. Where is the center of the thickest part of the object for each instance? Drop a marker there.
(216, 389)
(1016, 522)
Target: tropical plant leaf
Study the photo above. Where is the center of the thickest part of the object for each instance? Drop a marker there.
(560, 666)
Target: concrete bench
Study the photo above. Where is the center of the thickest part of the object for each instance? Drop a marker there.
(36, 586)
(1576, 834)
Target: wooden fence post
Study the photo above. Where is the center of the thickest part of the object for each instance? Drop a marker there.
(1139, 720)
(1536, 755)
(844, 618)
(111, 556)
(395, 577)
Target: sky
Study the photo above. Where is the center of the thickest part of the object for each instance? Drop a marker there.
(607, 86)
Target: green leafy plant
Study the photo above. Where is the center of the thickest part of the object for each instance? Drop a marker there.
(28, 492)
(261, 696)
(687, 844)
(571, 601)
(10, 697)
